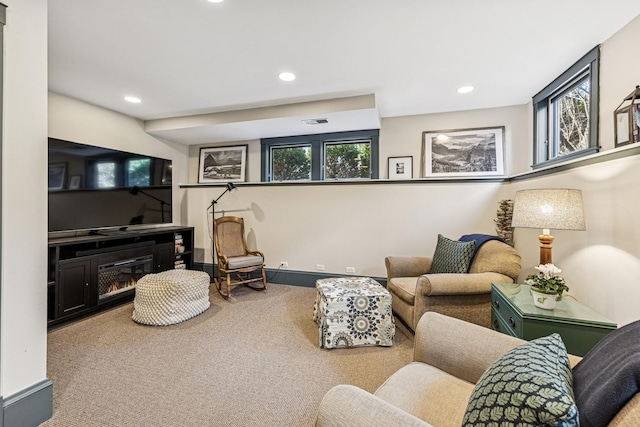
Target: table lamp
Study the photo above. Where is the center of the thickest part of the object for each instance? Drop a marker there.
(549, 208)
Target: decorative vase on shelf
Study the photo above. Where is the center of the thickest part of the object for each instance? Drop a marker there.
(547, 286)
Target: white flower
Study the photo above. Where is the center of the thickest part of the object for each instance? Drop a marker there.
(548, 270)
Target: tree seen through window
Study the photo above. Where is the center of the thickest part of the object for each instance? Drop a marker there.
(291, 163)
(347, 160)
(139, 172)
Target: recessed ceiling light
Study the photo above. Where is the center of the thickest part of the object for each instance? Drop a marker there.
(287, 77)
(132, 99)
(215, 1)
(465, 89)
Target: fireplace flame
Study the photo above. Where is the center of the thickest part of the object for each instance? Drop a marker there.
(116, 286)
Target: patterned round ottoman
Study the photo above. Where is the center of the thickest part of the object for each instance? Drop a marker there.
(170, 297)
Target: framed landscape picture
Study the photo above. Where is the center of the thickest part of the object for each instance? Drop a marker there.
(401, 167)
(222, 164)
(463, 153)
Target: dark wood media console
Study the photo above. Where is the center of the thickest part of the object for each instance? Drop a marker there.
(91, 272)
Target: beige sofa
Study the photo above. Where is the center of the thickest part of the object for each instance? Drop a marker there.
(463, 296)
(449, 357)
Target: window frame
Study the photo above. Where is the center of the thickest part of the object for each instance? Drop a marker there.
(543, 145)
(317, 142)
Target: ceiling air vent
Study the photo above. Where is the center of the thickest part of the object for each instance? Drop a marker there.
(312, 122)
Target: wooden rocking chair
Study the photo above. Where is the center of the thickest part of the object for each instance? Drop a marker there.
(234, 259)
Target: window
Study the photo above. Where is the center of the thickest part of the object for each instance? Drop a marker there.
(347, 160)
(106, 174)
(328, 156)
(138, 172)
(566, 114)
(291, 163)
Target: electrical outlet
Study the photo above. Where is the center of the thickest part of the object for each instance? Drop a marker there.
(319, 267)
(351, 269)
(284, 264)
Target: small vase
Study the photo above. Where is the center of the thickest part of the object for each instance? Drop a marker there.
(545, 301)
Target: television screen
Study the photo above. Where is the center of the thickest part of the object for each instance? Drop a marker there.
(93, 187)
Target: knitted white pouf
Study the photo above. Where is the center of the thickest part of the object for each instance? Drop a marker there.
(170, 297)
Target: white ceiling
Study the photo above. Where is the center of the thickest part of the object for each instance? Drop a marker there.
(192, 57)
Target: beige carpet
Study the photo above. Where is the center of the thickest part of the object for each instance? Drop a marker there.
(252, 360)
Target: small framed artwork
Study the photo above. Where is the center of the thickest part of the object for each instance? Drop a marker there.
(401, 167)
(74, 182)
(222, 164)
(57, 172)
(471, 153)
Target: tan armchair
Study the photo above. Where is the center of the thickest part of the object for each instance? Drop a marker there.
(463, 296)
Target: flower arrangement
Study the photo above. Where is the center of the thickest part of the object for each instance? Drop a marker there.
(547, 281)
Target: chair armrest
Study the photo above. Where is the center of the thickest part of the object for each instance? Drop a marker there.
(347, 405)
(256, 253)
(460, 348)
(407, 266)
(459, 283)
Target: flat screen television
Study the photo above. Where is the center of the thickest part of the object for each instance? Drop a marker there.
(92, 188)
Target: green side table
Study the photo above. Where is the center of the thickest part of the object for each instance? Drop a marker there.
(513, 313)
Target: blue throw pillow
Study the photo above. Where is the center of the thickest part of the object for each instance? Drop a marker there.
(608, 376)
(452, 256)
(530, 385)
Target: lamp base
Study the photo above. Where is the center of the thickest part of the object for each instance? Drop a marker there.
(545, 248)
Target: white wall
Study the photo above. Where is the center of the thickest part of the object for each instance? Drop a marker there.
(618, 76)
(342, 226)
(77, 121)
(24, 197)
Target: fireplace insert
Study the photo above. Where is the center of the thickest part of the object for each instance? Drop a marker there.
(118, 277)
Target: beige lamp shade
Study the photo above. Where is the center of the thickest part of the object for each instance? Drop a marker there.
(550, 208)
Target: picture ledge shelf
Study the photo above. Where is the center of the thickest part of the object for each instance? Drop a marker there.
(603, 156)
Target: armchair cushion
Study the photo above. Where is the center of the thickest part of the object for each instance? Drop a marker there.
(530, 385)
(452, 256)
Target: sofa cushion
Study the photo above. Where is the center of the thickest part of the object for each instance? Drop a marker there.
(428, 393)
(452, 256)
(608, 376)
(530, 385)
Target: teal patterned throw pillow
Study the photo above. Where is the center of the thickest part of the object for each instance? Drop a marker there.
(452, 256)
(530, 385)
